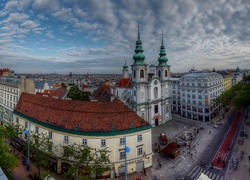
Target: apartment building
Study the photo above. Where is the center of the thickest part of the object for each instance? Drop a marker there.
(10, 90)
(198, 90)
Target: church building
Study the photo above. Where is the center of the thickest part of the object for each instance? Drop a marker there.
(147, 92)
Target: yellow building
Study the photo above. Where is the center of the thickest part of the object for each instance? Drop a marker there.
(94, 124)
(227, 80)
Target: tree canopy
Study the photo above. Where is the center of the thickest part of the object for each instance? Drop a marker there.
(87, 161)
(8, 161)
(76, 94)
(238, 95)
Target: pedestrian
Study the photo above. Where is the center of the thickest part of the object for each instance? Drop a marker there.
(145, 173)
(223, 164)
(218, 160)
(212, 164)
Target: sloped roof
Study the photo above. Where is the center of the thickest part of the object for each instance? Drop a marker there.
(90, 116)
(2, 71)
(125, 82)
(170, 148)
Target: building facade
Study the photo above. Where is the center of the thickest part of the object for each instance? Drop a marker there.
(94, 124)
(198, 92)
(147, 92)
(10, 90)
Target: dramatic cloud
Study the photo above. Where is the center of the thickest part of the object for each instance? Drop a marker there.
(89, 36)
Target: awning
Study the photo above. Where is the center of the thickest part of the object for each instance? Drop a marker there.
(156, 117)
(2, 175)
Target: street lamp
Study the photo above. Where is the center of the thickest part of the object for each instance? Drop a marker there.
(27, 131)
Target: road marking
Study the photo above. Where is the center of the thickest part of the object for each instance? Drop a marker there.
(182, 157)
(195, 173)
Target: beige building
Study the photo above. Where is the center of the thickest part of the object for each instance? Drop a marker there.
(94, 124)
(10, 90)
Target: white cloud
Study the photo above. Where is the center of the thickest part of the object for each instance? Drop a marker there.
(50, 35)
(17, 17)
(46, 5)
(63, 14)
(11, 5)
(30, 24)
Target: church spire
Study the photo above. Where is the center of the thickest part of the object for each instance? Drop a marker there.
(125, 67)
(139, 56)
(162, 59)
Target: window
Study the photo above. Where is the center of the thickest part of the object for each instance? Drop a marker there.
(122, 155)
(155, 92)
(159, 73)
(50, 135)
(17, 120)
(84, 142)
(103, 143)
(139, 138)
(122, 141)
(139, 151)
(141, 73)
(66, 139)
(37, 129)
(166, 73)
(134, 72)
(156, 108)
(26, 124)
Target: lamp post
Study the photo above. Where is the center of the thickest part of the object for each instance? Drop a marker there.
(27, 131)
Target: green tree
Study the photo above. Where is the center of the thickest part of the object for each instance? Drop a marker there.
(86, 161)
(42, 150)
(242, 100)
(63, 85)
(76, 94)
(7, 160)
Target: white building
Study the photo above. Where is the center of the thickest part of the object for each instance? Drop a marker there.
(94, 124)
(10, 90)
(147, 92)
(198, 91)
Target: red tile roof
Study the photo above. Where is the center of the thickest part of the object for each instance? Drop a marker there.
(101, 91)
(2, 71)
(59, 93)
(125, 82)
(90, 116)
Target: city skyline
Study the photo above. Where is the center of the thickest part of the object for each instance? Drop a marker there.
(45, 36)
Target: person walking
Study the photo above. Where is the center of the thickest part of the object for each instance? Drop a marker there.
(212, 164)
(145, 173)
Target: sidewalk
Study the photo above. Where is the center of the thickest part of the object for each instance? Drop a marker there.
(20, 173)
(242, 172)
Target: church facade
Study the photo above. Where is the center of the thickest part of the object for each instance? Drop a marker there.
(147, 92)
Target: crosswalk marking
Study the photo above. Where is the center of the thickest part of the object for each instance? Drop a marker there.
(196, 171)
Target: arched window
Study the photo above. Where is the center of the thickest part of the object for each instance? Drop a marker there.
(166, 73)
(142, 115)
(159, 73)
(141, 73)
(155, 92)
(134, 73)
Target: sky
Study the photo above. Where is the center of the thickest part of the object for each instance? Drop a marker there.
(98, 36)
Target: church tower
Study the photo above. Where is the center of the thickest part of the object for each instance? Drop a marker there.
(125, 71)
(163, 73)
(139, 79)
